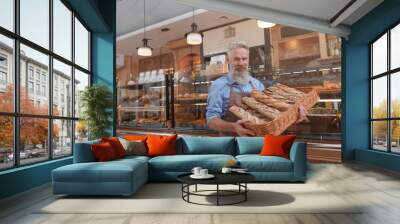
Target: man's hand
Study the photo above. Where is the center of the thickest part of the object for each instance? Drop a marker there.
(240, 130)
(302, 114)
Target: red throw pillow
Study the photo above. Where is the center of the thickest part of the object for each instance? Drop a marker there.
(116, 145)
(277, 145)
(103, 151)
(159, 145)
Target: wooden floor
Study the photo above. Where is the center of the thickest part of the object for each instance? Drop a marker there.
(378, 189)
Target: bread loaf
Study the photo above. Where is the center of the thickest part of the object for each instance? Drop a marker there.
(266, 111)
(269, 101)
(290, 90)
(243, 114)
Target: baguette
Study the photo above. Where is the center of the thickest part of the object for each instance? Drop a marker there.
(266, 111)
(276, 96)
(280, 95)
(289, 89)
(269, 101)
(286, 92)
(243, 114)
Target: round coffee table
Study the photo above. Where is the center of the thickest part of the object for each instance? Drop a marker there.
(238, 179)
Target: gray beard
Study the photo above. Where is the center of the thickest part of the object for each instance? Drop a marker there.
(241, 77)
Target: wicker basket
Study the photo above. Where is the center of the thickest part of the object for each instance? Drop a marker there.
(285, 119)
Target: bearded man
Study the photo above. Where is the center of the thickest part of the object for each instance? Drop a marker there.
(229, 89)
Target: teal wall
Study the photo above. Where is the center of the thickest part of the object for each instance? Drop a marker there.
(100, 17)
(24, 178)
(355, 82)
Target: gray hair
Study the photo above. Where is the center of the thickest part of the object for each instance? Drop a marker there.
(238, 44)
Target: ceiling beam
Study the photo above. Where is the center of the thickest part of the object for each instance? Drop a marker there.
(346, 12)
(270, 15)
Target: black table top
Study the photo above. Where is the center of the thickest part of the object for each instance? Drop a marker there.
(220, 178)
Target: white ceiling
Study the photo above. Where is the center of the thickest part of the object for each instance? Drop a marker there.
(130, 13)
(307, 14)
(176, 14)
(318, 9)
(128, 43)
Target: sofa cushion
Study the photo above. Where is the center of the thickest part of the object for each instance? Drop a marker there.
(249, 145)
(159, 145)
(134, 147)
(206, 145)
(103, 152)
(116, 145)
(277, 145)
(112, 171)
(185, 163)
(135, 137)
(257, 163)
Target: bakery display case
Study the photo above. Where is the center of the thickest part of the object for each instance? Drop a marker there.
(143, 99)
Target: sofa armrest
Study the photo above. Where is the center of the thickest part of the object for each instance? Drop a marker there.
(298, 155)
(83, 152)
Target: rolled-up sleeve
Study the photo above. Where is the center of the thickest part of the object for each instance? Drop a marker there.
(259, 85)
(214, 102)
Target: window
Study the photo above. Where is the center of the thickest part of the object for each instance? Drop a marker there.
(7, 14)
(62, 75)
(37, 74)
(30, 72)
(3, 78)
(62, 137)
(3, 61)
(6, 142)
(6, 73)
(30, 87)
(81, 81)
(43, 77)
(37, 89)
(81, 45)
(34, 21)
(45, 131)
(62, 29)
(43, 90)
(385, 94)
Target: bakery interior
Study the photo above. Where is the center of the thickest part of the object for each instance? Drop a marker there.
(167, 91)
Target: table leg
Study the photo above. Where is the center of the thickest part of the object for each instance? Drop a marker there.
(196, 188)
(245, 193)
(217, 194)
(188, 190)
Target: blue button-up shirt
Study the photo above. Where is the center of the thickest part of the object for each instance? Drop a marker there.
(219, 92)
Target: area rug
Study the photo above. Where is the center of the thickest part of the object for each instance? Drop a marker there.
(166, 198)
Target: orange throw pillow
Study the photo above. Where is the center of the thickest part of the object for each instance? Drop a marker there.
(135, 137)
(103, 152)
(116, 145)
(277, 145)
(159, 145)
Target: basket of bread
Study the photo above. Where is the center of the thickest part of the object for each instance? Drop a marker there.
(275, 109)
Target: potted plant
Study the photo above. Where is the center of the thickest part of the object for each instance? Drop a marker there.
(96, 104)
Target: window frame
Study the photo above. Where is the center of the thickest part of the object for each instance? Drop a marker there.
(16, 114)
(388, 74)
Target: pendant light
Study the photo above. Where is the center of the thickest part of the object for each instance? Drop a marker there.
(194, 37)
(263, 24)
(145, 49)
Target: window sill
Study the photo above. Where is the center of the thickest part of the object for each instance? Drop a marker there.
(30, 166)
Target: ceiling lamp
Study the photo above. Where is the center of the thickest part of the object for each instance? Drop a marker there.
(145, 49)
(263, 24)
(194, 37)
